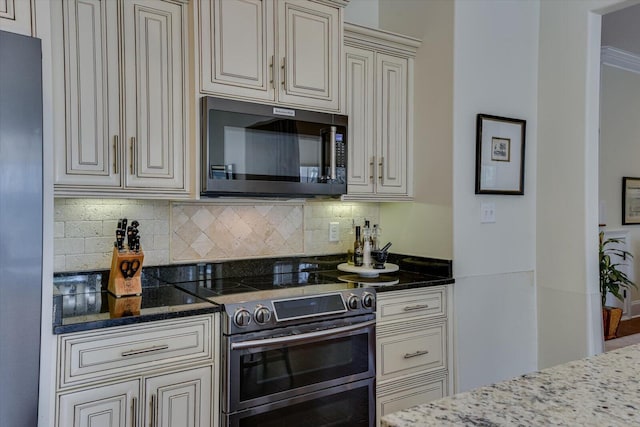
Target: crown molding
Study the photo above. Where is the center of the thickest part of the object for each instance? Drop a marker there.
(620, 59)
(385, 41)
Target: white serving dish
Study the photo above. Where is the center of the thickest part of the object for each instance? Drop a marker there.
(368, 271)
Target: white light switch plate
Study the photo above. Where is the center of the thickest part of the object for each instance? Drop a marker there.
(487, 213)
(334, 231)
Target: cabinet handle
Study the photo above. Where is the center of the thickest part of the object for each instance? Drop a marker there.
(372, 171)
(417, 353)
(284, 70)
(145, 350)
(273, 86)
(116, 151)
(133, 144)
(380, 169)
(416, 307)
(134, 412)
(153, 411)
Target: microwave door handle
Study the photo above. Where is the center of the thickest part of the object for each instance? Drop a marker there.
(269, 342)
(332, 141)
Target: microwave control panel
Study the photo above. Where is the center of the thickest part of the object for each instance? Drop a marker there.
(341, 151)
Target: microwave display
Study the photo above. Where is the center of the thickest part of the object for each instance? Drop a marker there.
(254, 149)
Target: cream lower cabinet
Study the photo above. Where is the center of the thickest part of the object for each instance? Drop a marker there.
(121, 97)
(379, 102)
(282, 51)
(180, 399)
(159, 374)
(16, 16)
(114, 405)
(412, 348)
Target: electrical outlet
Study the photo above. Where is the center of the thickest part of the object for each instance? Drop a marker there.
(487, 213)
(334, 231)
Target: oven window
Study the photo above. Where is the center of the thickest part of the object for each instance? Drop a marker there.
(271, 371)
(346, 409)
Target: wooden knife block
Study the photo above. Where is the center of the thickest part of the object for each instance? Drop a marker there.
(124, 306)
(119, 284)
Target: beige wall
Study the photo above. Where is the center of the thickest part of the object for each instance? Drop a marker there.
(619, 151)
(424, 227)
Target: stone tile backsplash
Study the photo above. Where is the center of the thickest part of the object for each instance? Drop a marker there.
(84, 231)
(202, 231)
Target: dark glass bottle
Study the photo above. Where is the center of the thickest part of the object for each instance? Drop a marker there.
(358, 250)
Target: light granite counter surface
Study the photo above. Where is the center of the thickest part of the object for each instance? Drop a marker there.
(602, 390)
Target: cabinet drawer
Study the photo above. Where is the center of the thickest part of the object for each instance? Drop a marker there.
(409, 391)
(429, 302)
(88, 356)
(411, 352)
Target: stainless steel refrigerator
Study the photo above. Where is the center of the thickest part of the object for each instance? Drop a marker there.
(20, 228)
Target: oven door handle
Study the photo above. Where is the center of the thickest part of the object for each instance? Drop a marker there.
(298, 338)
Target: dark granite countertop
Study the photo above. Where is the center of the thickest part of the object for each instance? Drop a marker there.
(81, 301)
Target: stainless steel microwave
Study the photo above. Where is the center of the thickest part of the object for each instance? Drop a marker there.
(263, 150)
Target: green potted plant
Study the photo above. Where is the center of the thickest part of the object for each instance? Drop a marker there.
(612, 281)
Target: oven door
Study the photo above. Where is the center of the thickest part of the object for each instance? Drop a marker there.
(288, 362)
(348, 405)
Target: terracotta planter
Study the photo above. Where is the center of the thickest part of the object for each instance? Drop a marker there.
(611, 320)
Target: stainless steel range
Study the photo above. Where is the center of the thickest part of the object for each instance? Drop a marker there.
(298, 347)
(299, 356)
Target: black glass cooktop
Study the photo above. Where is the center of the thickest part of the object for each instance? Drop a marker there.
(204, 280)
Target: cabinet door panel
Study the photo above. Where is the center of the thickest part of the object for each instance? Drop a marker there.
(154, 96)
(181, 399)
(90, 32)
(309, 46)
(360, 108)
(410, 391)
(391, 97)
(103, 406)
(237, 47)
(15, 16)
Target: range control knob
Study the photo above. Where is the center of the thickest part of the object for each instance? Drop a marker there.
(262, 314)
(368, 300)
(242, 317)
(352, 302)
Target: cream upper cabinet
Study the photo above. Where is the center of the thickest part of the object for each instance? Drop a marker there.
(89, 109)
(309, 50)
(237, 50)
(120, 122)
(16, 16)
(361, 146)
(379, 87)
(154, 93)
(282, 51)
